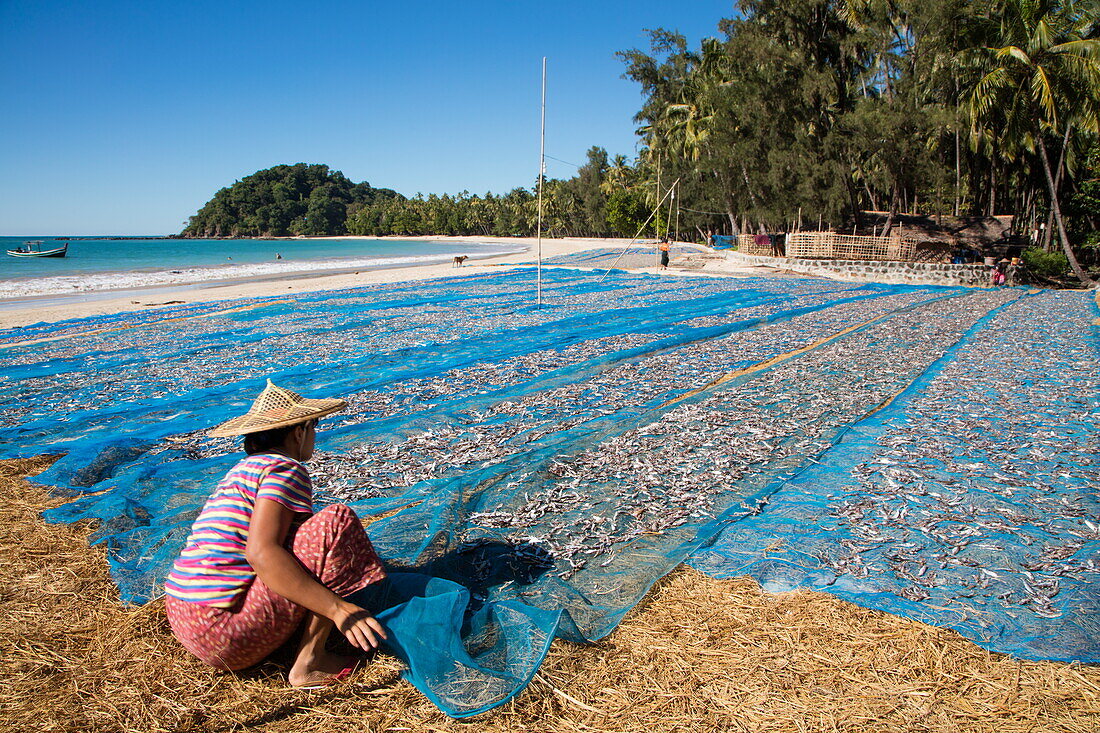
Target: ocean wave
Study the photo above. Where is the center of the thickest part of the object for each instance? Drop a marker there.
(97, 282)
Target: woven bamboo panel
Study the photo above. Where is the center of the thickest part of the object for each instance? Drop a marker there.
(934, 252)
(833, 246)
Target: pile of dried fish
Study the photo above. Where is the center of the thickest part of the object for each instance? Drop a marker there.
(139, 361)
(506, 427)
(984, 484)
(698, 459)
(426, 396)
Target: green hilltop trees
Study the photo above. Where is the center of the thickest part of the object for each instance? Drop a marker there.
(301, 199)
(284, 200)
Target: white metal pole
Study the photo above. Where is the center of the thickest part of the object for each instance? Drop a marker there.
(657, 210)
(677, 237)
(671, 201)
(542, 180)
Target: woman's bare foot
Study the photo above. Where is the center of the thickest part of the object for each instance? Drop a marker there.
(310, 670)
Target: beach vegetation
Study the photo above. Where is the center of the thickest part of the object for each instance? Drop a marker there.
(1047, 264)
(1083, 211)
(626, 212)
(1035, 78)
(810, 113)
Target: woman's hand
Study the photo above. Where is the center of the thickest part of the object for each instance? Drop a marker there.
(361, 629)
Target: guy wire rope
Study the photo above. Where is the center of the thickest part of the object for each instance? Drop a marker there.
(542, 182)
(642, 227)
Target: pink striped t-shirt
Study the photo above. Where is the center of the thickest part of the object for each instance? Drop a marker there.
(212, 569)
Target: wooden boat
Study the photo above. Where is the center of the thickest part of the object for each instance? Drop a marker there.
(33, 248)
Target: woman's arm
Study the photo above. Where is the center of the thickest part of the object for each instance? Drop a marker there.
(280, 571)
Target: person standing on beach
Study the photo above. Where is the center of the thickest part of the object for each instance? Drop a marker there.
(259, 564)
(664, 247)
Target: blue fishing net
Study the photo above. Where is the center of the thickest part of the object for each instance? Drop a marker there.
(548, 464)
(968, 502)
(635, 255)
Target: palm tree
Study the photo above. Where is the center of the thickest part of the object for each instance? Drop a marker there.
(687, 122)
(620, 176)
(1038, 77)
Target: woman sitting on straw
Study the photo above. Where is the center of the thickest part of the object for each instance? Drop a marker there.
(259, 563)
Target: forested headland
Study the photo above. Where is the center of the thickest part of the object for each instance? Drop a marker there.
(286, 200)
(797, 114)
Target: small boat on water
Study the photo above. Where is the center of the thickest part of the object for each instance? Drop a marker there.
(33, 248)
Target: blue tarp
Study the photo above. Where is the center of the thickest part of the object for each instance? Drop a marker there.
(554, 462)
(969, 502)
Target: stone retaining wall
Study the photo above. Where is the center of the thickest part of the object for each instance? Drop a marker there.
(895, 273)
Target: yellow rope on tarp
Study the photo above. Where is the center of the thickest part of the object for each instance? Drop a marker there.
(780, 358)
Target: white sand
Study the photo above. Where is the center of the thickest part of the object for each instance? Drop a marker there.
(16, 312)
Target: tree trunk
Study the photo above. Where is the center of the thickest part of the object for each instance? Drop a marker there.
(748, 187)
(870, 197)
(992, 188)
(1048, 229)
(957, 178)
(853, 201)
(1080, 273)
(893, 211)
(1057, 186)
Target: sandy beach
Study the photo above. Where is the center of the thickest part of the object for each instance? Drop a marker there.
(17, 312)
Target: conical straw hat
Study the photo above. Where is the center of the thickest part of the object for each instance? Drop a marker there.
(277, 408)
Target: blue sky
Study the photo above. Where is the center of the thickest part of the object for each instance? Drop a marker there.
(125, 117)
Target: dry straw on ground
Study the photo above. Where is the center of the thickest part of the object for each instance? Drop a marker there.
(700, 654)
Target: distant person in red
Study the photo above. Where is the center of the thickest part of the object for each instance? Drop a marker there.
(663, 246)
(259, 564)
(997, 275)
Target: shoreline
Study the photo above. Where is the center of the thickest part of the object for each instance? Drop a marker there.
(328, 258)
(50, 308)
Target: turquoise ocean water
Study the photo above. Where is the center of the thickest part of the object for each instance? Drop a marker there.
(111, 265)
(87, 256)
